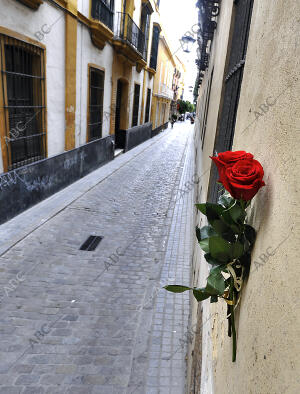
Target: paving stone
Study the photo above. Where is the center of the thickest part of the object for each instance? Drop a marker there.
(10, 390)
(55, 390)
(52, 379)
(22, 368)
(94, 322)
(34, 390)
(24, 380)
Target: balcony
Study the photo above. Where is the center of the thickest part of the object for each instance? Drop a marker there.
(166, 92)
(102, 13)
(130, 39)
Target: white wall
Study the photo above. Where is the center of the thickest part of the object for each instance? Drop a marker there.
(21, 19)
(83, 6)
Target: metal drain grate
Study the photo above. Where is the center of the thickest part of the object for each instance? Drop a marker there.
(91, 243)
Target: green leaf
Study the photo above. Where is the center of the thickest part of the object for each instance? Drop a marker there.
(177, 288)
(228, 219)
(213, 211)
(250, 234)
(219, 269)
(224, 230)
(208, 257)
(216, 282)
(237, 213)
(201, 294)
(204, 232)
(220, 249)
(204, 245)
(201, 208)
(237, 250)
(203, 235)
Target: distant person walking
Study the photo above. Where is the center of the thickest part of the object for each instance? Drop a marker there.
(173, 120)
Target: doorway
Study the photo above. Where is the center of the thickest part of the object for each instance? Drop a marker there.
(121, 114)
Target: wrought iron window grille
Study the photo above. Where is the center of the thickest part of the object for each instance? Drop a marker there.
(95, 119)
(103, 11)
(23, 97)
(136, 104)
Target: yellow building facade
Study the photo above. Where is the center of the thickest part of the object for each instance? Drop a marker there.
(182, 70)
(163, 92)
(97, 60)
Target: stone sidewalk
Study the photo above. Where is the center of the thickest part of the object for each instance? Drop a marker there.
(76, 321)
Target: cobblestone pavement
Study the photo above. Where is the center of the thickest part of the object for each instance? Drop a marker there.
(96, 322)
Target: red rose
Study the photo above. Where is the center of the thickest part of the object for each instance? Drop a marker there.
(225, 159)
(243, 179)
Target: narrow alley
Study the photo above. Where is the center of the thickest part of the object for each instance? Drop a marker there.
(98, 321)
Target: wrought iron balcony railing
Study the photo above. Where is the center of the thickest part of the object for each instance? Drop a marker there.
(103, 13)
(128, 31)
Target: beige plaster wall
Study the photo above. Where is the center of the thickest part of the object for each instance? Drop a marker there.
(268, 317)
(268, 322)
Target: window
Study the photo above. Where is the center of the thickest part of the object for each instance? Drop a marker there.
(162, 114)
(205, 108)
(148, 105)
(136, 104)
(103, 11)
(154, 47)
(233, 82)
(95, 116)
(144, 26)
(22, 98)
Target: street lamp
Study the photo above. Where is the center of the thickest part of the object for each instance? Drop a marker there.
(187, 42)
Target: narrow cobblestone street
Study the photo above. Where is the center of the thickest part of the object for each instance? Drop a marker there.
(75, 321)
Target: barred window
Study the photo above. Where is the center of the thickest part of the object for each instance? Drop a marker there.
(103, 11)
(22, 99)
(154, 47)
(95, 117)
(136, 104)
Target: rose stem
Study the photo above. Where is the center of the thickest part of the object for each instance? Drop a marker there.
(229, 320)
(232, 320)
